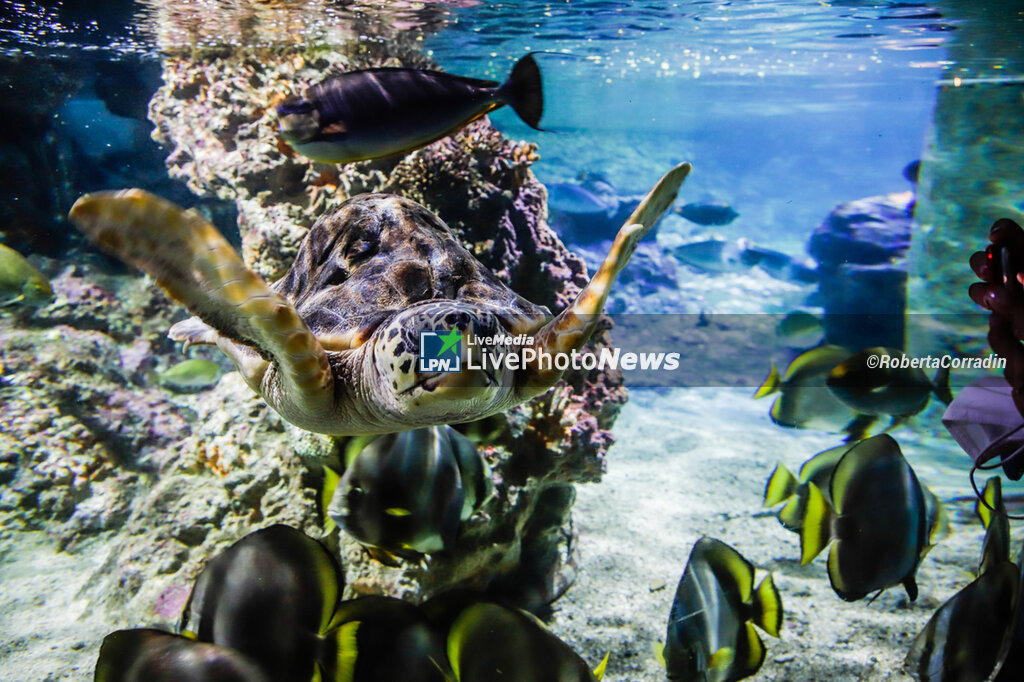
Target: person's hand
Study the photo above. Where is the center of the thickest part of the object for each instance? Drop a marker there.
(1006, 324)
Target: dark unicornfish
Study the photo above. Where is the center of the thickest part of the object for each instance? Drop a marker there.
(879, 521)
(376, 113)
(145, 655)
(711, 633)
(269, 596)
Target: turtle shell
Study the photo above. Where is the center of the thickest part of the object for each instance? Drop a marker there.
(377, 254)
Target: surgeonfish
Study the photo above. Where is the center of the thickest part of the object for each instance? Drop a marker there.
(376, 113)
(711, 633)
(145, 655)
(878, 519)
(190, 376)
(378, 638)
(270, 596)
(708, 213)
(782, 487)
(407, 493)
(21, 282)
(489, 642)
(882, 389)
(805, 402)
(978, 634)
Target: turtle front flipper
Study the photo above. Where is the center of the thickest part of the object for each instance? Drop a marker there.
(195, 265)
(572, 328)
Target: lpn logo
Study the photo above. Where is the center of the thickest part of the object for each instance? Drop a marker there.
(441, 352)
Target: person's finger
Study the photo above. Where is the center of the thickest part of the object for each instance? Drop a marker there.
(1006, 232)
(990, 296)
(982, 266)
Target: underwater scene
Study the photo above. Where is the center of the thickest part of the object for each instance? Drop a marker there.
(521, 341)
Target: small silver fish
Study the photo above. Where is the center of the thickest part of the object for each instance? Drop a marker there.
(375, 113)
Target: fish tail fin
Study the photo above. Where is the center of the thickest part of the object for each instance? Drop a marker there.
(771, 384)
(781, 486)
(768, 607)
(940, 386)
(791, 516)
(754, 653)
(817, 527)
(599, 670)
(523, 91)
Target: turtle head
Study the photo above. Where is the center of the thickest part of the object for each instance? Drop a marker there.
(429, 361)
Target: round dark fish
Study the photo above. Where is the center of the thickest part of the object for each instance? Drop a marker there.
(711, 213)
(145, 655)
(378, 639)
(879, 524)
(405, 493)
(376, 113)
(488, 642)
(912, 171)
(269, 596)
(711, 633)
(966, 637)
(805, 402)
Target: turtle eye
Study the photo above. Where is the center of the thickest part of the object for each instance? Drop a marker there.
(360, 250)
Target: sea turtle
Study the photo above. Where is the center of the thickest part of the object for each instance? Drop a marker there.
(333, 346)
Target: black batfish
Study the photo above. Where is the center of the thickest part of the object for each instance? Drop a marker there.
(978, 632)
(879, 521)
(783, 486)
(145, 655)
(376, 113)
(406, 493)
(377, 638)
(270, 596)
(711, 633)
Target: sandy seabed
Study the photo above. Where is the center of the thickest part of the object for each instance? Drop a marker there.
(687, 462)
